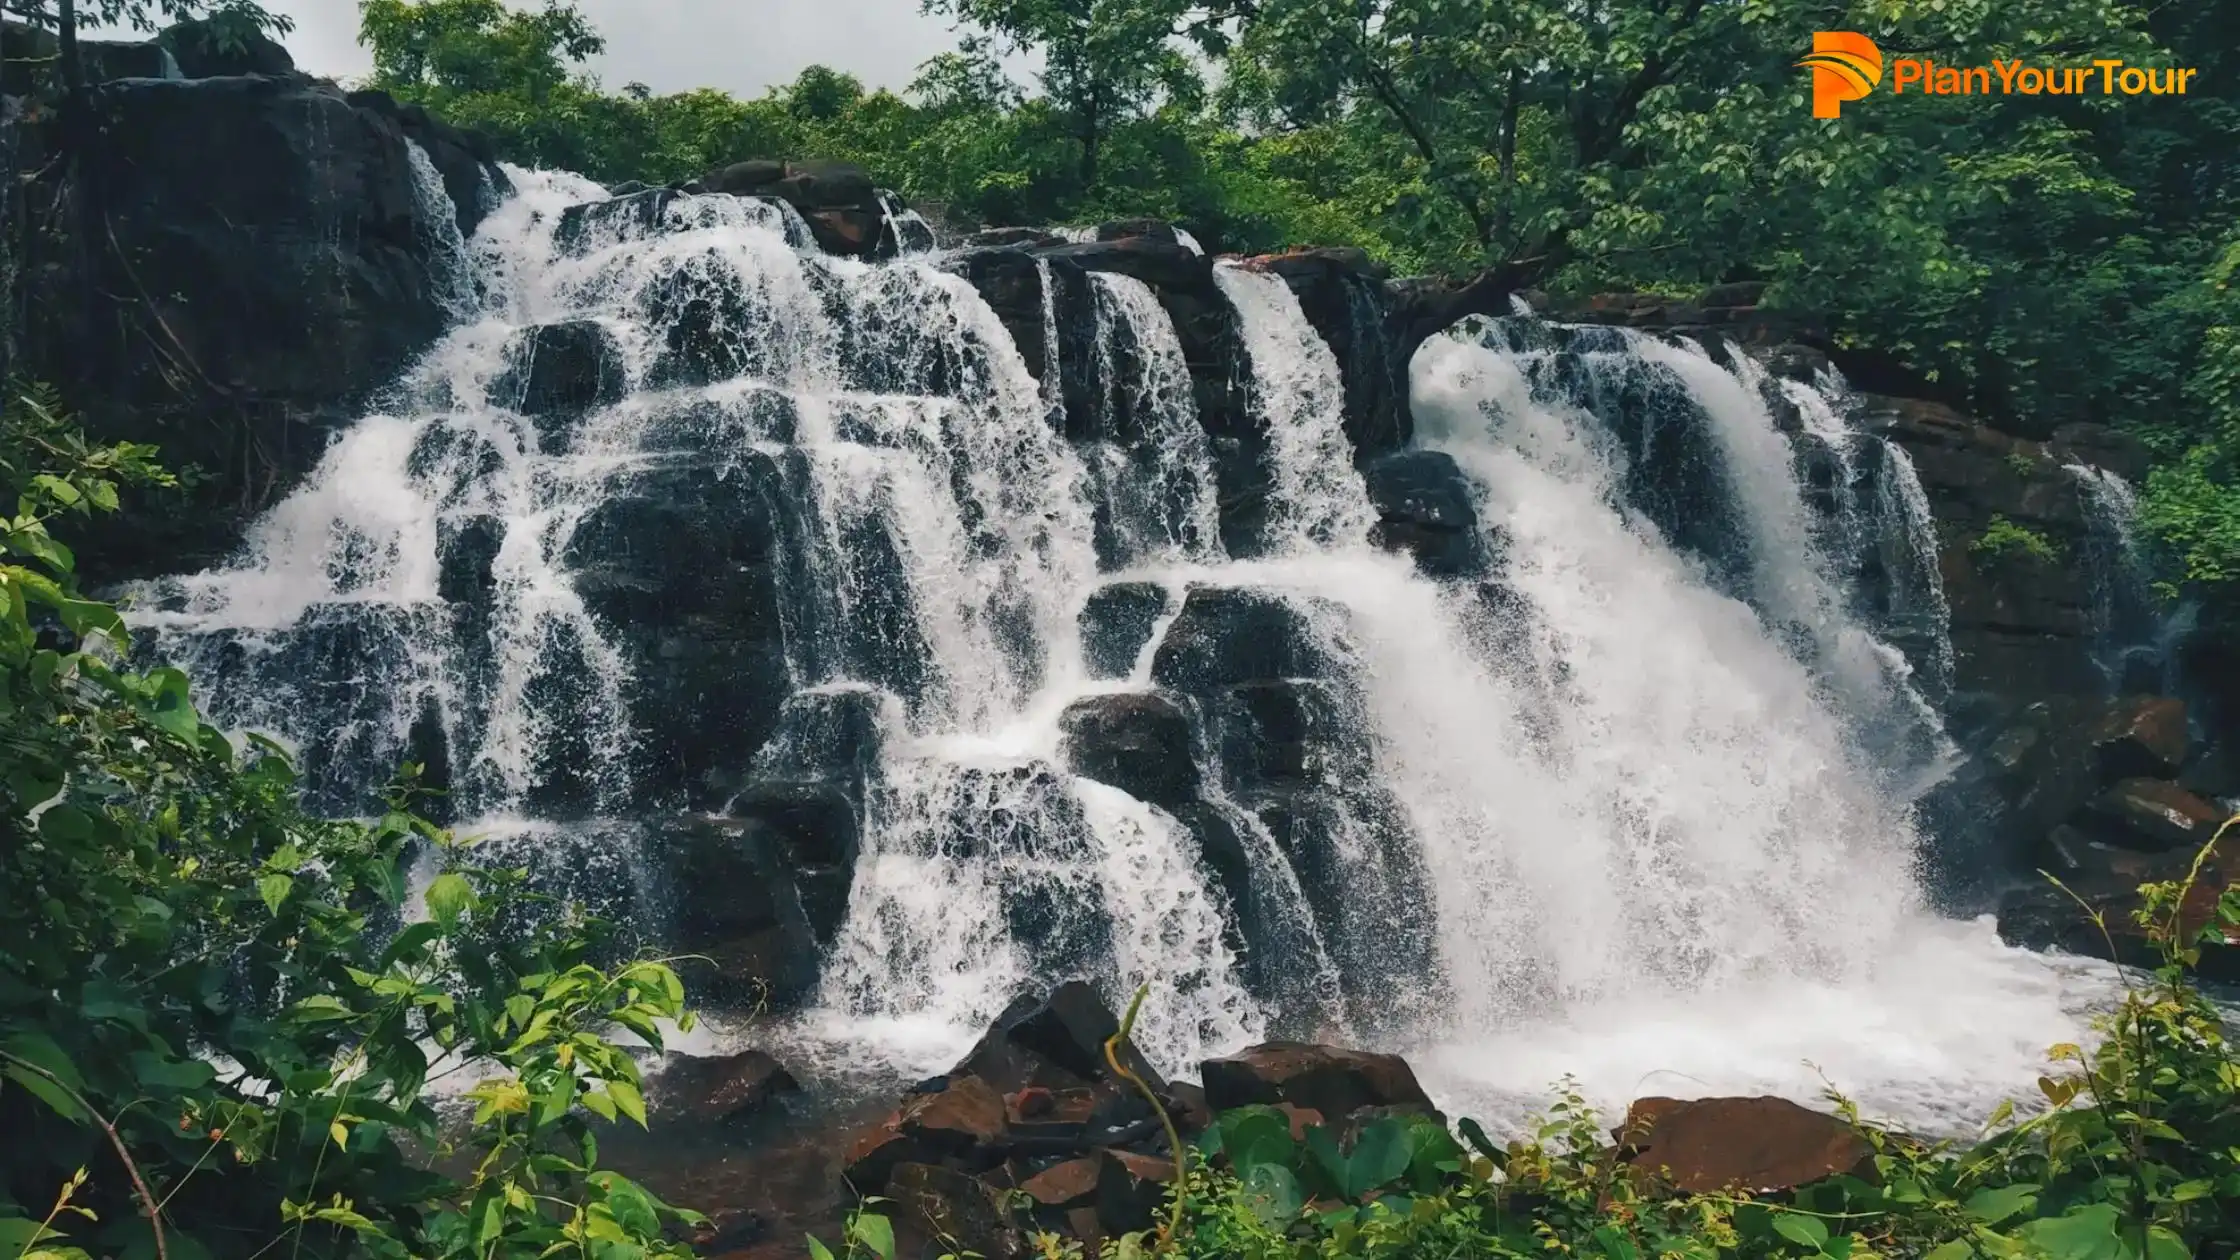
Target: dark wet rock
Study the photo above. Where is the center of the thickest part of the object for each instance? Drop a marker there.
(1011, 280)
(1229, 635)
(1138, 743)
(2022, 629)
(685, 558)
(963, 1121)
(1427, 508)
(467, 160)
(1342, 292)
(736, 913)
(1130, 1189)
(557, 373)
(2153, 814)
(1330, 1080)
(2038, 915)
(621, 218)
(2143, 737)
(1162, 264)
(1752, 1145)
(1117, 621)
(466, 553)
(259, 311)
(941, 1211)
(1053, 1042)
(722, 1090)
(1012, 237)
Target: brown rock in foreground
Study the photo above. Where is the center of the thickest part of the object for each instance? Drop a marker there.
(730, 1088)
(1326, 1079)
(2143, 737)
(1758, 1145)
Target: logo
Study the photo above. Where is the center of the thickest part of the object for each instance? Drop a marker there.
(1845, 67)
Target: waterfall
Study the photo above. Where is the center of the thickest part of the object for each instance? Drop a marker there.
(437, 218)
(2126, 626)
(677, 497)
(1316, 498)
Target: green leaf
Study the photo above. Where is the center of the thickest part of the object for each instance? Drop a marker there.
(1322, 1147)
(817, 1250)
(1273, 1195)
(449, 897)
(66, 824)
(169, 1073)
(2002, 1204)
(2082, 1233)
(1380, 1156)
(628, 1100)
(17, 1235)
(874, 1231)
(1809, 1232)
(44, 1090)
(273, 890)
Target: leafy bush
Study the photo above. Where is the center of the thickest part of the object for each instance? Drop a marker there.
(2004, 540)
(218, 1028)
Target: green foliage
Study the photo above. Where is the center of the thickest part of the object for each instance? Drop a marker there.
(218, 1022)
(2004, 540)
(147, 15)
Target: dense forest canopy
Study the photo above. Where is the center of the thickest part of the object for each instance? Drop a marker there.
(2041, 258)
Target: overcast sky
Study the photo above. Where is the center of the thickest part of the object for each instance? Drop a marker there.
(741, 46)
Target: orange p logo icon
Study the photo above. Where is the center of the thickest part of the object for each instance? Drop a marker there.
(1845, 67)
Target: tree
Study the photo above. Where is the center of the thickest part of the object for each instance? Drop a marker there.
(217, 1032)
(1103, 60)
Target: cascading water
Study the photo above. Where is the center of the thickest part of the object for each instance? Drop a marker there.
(1623, 801)
(2125, 622)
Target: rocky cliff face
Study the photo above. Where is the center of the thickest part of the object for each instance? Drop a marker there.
(243, 258)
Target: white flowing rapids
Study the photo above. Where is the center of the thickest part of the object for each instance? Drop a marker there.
(1623, 808)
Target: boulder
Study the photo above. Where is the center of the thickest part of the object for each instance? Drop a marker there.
(1138, 743)
(755, 175)
(941, 1211)
(1116, 622)
(1011, 237)
(1229, 635)
(558, 372)
(1066, 1185)
(748, 933)
(585, 228)
(876, 1151)
(1055, 1041)
(2155, 814)
(1751, 1145)
(2142, 737)
(1329, 1080)
(721, 1090)
(2040, 916)
(1426, 508)
(964, 1120)
(1130, 1190)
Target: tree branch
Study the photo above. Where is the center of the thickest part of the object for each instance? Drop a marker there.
(139, 1185)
